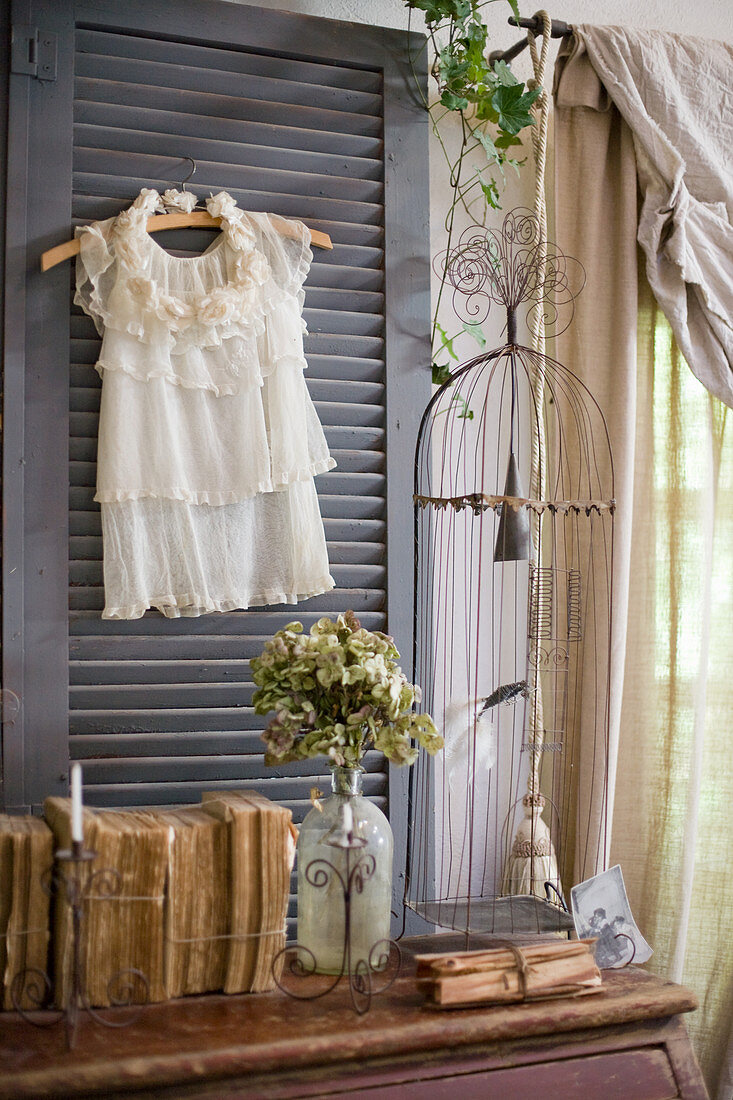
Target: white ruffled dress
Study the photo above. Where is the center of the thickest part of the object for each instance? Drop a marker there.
(208, 438)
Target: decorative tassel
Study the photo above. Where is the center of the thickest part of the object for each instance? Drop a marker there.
(532, 861)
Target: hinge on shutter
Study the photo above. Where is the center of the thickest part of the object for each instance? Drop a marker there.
(33, 52)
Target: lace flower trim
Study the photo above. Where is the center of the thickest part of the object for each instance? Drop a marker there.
(227, 304)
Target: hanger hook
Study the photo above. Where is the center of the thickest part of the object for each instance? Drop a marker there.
(188, 177)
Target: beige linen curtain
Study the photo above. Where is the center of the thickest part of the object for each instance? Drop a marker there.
(672, 646)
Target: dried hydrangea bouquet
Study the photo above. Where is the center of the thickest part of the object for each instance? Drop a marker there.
(339, 692)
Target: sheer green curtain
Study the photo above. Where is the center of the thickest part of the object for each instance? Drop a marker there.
(671, 657)
(674, 787)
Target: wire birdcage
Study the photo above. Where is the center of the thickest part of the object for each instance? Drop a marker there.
(514, 517)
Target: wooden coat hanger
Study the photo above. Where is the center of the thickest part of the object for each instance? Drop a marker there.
(199, 219)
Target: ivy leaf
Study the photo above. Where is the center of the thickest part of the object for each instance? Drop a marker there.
(512, 106)
(441, 373)
(514, 5)
(446, 342)
(476, 31)
(452, 68)
(453, 102)
(435, 10)
(490, 190)
(490, 147)
(465, 413)
(485, 112)
(477, 332)
(505, 140)
(504, 74)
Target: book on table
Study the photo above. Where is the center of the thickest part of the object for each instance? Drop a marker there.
(262, 850)
(26, 858)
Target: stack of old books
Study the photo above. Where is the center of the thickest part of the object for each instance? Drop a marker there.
(504, 975)
(26, 855)
(194, 898)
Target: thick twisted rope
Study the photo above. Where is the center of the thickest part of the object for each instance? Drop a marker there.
(537, 331)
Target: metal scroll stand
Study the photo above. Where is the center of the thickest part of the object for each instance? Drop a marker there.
(35, 985)
(384, 955)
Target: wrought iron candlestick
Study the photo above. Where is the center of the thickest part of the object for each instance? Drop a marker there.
(384, 957)
(35, 985)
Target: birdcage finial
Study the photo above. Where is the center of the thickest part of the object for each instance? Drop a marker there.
(510, 267)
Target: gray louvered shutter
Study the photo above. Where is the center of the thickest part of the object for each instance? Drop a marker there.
(299, 116)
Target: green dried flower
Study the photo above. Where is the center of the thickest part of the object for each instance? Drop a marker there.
(337, 691)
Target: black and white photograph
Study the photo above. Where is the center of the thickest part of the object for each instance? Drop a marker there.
(601, 910)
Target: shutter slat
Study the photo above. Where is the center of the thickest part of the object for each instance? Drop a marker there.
(291, 204)
(225, 60)
(212, 106)
(128, 673)
(90, 163)
(244, 85)
(204, 770)
(262, 621)
(112, 116)
(205, 149)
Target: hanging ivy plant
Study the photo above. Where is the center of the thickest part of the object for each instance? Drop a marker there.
(493, 107)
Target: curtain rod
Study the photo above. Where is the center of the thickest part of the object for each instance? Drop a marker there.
(558, 29)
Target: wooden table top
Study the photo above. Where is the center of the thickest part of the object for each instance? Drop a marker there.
(215, 1036)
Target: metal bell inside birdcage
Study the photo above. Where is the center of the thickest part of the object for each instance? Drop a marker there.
(514, 517)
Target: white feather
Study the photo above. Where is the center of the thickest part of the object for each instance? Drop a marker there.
(470, 739)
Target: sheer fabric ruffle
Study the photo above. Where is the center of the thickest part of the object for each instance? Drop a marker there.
(208, 438)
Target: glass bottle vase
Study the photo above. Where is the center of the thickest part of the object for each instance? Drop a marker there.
(344, 848)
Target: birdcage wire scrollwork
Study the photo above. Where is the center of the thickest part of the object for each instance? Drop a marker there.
(508, 267)
(513, 524)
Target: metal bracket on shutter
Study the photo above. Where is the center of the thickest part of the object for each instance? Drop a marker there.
(9, 706)
(33, 52)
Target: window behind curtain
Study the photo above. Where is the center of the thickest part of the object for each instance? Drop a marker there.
(674, 790)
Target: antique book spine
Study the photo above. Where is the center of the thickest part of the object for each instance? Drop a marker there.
(125, 932)
(26, 846)
(122, 914)
(197, 902)
(276, 866)
(243, 822)
(6, 901)
(262, 854)
(39, 839)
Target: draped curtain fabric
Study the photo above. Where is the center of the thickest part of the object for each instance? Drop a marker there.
(671, 773)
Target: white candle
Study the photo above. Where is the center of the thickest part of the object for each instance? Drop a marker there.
(348, 819)
(77, 833)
